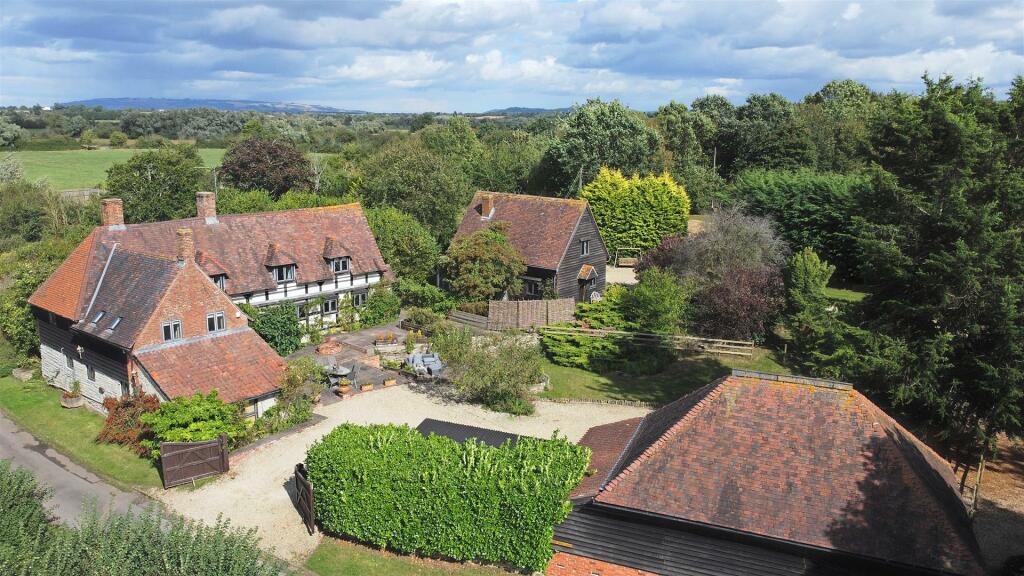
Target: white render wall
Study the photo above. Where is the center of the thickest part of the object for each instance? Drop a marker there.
(291, 291)
(55, 371)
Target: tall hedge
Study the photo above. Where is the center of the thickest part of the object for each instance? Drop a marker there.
(391, 487)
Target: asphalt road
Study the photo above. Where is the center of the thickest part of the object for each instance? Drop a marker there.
(72, 485)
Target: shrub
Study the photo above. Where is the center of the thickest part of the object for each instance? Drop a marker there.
(303, 381)
(406, 245)
(423, 317)
(124, 424)
(23, 518)
(278, 325)
(423, 296)
(391, 487)
(496, 371)
(659, 302)
(479, 308)
(381, 307)
(743, 307)
(265, 163)
(484, 265)
(192, 419)
(118, 139)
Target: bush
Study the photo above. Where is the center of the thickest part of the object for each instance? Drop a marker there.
(278, 325)
(423, 296)
(264, 163)
(743, 307)
(118, 139)
(478, 308)
(23, 518)
(192, 419)
(659, 302)
(381, 307)
(124, 421)
(423, 317)
(496, 371)
(303, 381)
(391, 487)
(406, 245)
(484, 265)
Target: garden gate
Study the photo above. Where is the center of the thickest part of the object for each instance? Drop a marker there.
(182, 462)
(304, 498)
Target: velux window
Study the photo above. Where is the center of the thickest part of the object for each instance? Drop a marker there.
(99, 317)
(284, 273)
(215, 322)
(172, 330)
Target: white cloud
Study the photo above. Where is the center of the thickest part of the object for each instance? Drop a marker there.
(402, 70)
(852, 11)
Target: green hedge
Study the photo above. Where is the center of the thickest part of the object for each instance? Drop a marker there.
(391, 487)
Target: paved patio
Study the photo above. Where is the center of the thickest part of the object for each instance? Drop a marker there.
(257, 492)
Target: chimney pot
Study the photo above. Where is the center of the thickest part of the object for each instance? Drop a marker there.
(113, 212)
(486, 206)
(186, 246)
(206, 206)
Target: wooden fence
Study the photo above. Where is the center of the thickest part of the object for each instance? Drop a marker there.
(182, 462)
(525, 314)
(472, 320)
(304, 498)
(707, 345)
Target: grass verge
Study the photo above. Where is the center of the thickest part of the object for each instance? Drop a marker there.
(688, 374)
(339, 558)
(86, 168)
(35, 408)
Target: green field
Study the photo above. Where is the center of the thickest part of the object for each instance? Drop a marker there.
(85, 168)
(688, 374)
(35, 407)
(845, 294)
(337, 558)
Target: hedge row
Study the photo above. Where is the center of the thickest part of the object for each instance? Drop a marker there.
(392, 487)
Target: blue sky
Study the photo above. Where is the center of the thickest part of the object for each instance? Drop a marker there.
(477, 55)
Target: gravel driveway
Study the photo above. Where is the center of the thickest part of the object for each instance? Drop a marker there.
(256, 493)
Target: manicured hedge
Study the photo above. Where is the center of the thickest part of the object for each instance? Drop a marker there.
(391, 487)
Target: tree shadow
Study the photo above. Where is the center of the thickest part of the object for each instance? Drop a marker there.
(686, 374)
(439, 390)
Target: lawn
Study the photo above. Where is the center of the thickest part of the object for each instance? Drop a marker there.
(845, 294)
(689, 373)
(338, 558)
(85, 168)
(35, 407)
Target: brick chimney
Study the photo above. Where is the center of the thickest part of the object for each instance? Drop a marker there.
(206, 206)
(113, 212)
(186, 246)
(486, 205)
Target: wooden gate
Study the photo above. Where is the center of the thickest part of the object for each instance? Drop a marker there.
(304, 498)
(182, 462)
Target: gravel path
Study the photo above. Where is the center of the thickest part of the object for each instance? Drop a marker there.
(257, 491)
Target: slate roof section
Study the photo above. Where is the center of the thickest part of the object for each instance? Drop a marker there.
(234, 244)
(462, 432)
(131, 289)
(237, 363)
(606, 443)
(538, 226)
(788, 459)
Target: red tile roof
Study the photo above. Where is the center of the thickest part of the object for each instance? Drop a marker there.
(237, 363)
(233, 244)
(538, 226)
(606, 444)
(800, 460)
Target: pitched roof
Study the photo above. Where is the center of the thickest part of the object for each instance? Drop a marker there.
(538, 226)
(245, 366)
(234, 244)
(127, 293)
(606, 444)
(462, 432)
(800, 460)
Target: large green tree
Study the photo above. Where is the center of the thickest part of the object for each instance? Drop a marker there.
(484, 265)
(636, 212)
(408, 248)
(260, 162)
(158, 184)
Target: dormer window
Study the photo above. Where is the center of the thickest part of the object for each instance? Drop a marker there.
(172, 330)
(341, 265)
(220, 280)
(284, 273)
(98, 317)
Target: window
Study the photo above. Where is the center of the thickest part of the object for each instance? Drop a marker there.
(115, 323)
(306, 309)
(584, 247)
(532, 287)
(359, 299)
(69, 361)
(99, 317)
(215, 322)
(284, 273)
(220, 280)
(125, 391)
(90, 373)
(330, 306)
(340, 265)
(172, 330)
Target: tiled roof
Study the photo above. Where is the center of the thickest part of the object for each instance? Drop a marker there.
(233, 244)
(804, 461)
(462, 432)
(61, 293)
(586, 272)
(237, 363)
(539, 226)
(131, 288)
(606, 443)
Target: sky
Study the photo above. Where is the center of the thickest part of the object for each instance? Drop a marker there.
(472, 56)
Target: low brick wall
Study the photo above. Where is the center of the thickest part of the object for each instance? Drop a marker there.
(523, 314)
(563, 564)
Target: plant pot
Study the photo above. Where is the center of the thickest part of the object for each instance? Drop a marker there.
(390, 382)
(72, 401)
(342, 390)
(366, 387)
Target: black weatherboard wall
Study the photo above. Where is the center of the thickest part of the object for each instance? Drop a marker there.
(568, 284)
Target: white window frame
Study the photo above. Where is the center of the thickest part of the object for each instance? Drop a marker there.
(90, 373)
(330, 306)
(171, 328)
(284, 274)
(359, 299)
(584, 247)
(69, 361)
(220, 280)
(341, 265)
(218, 320)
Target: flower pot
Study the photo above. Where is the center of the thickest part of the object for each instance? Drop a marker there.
(72, 401)
(342, 390)
(366, 387)
(390, 382)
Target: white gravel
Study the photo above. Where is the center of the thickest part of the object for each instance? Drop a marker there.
(254, 493)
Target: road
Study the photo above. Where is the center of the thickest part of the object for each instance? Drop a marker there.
(72, 485)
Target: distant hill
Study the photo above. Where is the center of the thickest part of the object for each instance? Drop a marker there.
(520, 110)
(182, 103)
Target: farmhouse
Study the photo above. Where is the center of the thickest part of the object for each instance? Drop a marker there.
(153, 306)
(557, 236)
(758, 474)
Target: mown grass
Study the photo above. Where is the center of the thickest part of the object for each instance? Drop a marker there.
(339, 558)
(845, 294)
(35, 407)
(689, 373)
(86, 168)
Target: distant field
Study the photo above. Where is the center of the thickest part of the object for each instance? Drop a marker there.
(85, 168)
